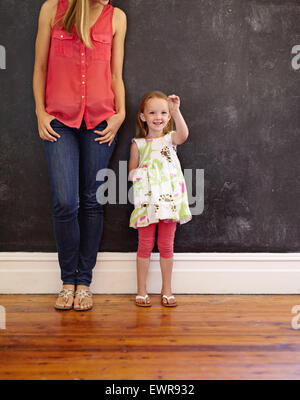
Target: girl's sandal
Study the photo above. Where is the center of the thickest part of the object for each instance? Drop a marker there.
(168, 304)
(65, 293)
(83, 293)
(144, 304)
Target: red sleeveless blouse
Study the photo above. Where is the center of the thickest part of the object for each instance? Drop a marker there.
(78, 78)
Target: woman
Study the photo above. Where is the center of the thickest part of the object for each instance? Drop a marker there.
(80, 106)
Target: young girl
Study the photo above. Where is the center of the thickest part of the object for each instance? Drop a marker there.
(160, 196)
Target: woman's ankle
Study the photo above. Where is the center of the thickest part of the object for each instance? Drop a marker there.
(166, 290)
(142, 291)
(68, 286)
(81, 286)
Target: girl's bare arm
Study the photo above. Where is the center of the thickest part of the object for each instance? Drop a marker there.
(182, 131)
(133, 159)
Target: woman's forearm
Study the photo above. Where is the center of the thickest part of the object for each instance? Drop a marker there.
(118, 88)
(39, 87)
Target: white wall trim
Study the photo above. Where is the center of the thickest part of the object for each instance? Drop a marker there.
(193, 273)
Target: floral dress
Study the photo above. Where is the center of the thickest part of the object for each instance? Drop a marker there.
(159, 189)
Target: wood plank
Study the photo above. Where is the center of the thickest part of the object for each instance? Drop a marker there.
(205, 337)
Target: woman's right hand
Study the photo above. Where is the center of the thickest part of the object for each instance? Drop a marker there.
(45, 130)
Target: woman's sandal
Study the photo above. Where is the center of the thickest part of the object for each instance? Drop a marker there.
(65, 293)
(167, 304)
(145, 304)
(83, 293)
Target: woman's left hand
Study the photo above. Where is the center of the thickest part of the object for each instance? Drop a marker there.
(113, 124)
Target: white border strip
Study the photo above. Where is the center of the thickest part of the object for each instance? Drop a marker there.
(193, 273)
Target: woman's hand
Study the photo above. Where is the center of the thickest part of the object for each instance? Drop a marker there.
(174, 104)
(113, 124)
(45, 130)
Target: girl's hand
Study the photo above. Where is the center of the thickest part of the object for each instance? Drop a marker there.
(173, 103)
(45, 130)
(113, 124)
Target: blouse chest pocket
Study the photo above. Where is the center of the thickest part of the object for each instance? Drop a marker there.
(102, 46)
(63, 43)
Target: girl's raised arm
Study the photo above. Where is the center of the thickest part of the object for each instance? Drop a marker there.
(182, 131)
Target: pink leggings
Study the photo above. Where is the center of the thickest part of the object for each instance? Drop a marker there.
(165, 239)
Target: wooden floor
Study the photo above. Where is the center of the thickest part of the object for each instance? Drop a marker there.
(205, 337)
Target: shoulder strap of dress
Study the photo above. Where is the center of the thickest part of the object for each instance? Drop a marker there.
(111, 14)
(110, 8)
(62, 7)
(138, 141)
(168, 137)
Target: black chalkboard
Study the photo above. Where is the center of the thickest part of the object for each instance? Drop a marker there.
(233, 66)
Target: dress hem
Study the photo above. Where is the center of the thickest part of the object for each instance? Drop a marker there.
(182, 221)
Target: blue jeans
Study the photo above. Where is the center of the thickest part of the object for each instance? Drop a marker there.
(73, 162)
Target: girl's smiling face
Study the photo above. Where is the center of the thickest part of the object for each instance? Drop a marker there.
(156, 114)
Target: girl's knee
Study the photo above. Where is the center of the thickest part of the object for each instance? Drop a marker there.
(165, 246)
(145, 248)
(166, 250)
(165, 240)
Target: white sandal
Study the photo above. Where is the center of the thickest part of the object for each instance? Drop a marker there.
(145, 304)
(168, 298)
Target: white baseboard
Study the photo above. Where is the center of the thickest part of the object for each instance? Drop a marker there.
(193, 273)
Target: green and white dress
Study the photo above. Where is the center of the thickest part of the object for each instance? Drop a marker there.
(159, 189)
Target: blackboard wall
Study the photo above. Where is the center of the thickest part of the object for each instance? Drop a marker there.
(230, 61)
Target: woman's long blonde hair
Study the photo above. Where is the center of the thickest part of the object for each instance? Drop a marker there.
(78, 14)
(141, 126)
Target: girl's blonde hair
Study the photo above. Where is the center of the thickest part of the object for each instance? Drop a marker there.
(78, 14)
(141, 126)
